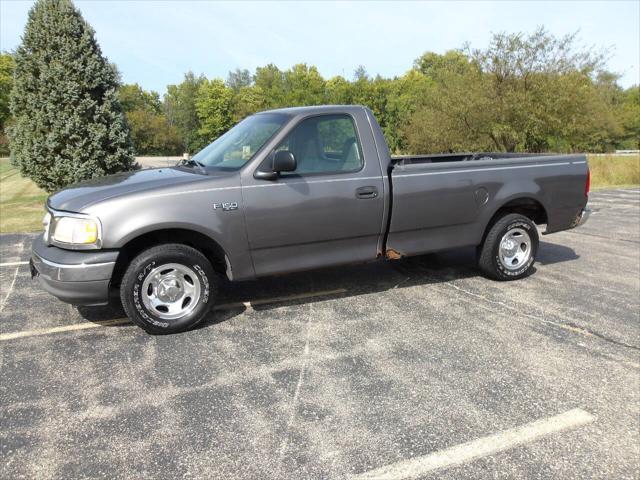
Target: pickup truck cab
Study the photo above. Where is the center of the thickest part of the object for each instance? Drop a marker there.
(287, 190)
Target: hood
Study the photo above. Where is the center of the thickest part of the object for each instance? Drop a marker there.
(76, 197)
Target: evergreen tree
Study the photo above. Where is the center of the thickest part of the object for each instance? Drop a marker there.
(68, 124)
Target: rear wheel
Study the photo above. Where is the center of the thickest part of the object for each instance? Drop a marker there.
(168, 288)
(509, 249)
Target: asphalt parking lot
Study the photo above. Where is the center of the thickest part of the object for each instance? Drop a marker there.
(418, 368)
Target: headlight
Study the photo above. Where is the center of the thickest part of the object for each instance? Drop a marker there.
(73, 231)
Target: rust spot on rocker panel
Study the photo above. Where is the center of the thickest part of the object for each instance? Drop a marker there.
(392, 254)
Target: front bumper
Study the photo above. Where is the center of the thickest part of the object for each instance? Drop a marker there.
(77, 277)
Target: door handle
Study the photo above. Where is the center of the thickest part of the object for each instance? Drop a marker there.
(366, 192)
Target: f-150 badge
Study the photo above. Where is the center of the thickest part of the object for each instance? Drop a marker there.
(226, 206)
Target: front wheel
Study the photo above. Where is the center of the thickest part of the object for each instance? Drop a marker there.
(168, 288)
(509, 249)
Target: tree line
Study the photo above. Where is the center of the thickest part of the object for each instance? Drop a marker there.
(60, 100)
(534, 92)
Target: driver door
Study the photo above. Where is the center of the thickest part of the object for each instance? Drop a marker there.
(326, 212)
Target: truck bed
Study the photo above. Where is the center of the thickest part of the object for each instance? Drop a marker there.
(459, 157)
(446, 201)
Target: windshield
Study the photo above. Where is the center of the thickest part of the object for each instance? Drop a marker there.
(235, 148)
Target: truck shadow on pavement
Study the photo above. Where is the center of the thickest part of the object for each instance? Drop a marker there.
(550, 253)
(340, 282)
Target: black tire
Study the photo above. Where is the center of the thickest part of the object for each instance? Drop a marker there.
(489, 252)
(131, 291)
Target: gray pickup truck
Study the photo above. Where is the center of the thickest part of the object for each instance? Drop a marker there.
(287, 190)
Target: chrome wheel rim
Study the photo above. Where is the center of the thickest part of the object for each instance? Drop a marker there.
(171, 291)
(515, 249)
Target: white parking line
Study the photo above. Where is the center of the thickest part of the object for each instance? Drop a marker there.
(482, 447)
(65, 328)
(13, 282)
(124, 321)
(13, 264)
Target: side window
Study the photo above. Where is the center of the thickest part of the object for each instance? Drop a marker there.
(324, 144)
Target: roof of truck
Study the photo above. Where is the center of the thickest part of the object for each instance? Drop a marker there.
(315, 109)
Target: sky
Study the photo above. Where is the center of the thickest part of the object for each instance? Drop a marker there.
(154, 43)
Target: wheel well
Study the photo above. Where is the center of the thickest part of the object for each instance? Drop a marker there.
(528, 207)
(207, 246)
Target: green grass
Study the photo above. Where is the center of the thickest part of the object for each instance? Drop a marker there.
(21, 201)
(614, 170)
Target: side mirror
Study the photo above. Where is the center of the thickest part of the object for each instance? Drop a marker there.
(284, 161)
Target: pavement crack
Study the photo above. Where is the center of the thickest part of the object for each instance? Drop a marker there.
(588, 331)
(296, 395)
(565, 326)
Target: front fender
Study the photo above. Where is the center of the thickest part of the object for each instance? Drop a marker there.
(124, 219)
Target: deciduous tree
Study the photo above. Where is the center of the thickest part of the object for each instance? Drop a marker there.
(213, 105)
(6, 82)
(151, 133)
(239, 78)
(180, 109)
(134, 97)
